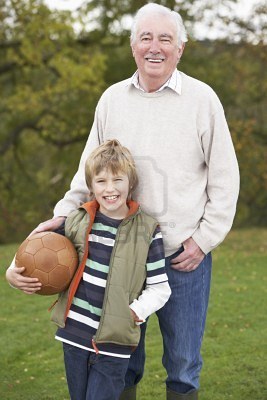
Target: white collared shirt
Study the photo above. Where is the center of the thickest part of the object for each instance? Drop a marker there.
(174, 82)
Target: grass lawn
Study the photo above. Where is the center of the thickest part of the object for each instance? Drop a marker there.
(234, 349)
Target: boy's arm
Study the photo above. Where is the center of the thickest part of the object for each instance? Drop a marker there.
(152, 299)
(157, 290)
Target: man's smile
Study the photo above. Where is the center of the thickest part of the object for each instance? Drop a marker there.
(154, 60)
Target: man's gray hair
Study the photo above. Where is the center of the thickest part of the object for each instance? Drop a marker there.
(152, 9)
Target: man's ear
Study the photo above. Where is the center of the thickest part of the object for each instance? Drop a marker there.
(181, 50)
(132, 47)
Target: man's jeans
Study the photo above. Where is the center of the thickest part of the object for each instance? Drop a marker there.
(93, 376)
(182, 323)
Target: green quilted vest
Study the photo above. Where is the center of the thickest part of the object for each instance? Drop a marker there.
(126, 277)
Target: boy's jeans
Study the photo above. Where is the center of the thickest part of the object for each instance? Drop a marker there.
(93, 376)
(182, 322)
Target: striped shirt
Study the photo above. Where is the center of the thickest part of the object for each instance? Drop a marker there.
(85, 311)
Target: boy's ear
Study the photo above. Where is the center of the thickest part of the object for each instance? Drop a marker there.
(129, 197)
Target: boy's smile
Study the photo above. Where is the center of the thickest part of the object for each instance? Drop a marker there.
(111, 192)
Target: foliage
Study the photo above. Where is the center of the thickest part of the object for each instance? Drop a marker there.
(31, 361)
(49, 88)
(51, 77)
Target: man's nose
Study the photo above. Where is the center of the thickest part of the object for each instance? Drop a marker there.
(155, 46)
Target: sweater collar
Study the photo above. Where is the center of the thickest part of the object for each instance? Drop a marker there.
(174, 82)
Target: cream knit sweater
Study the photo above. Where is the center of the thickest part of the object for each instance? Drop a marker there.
(188, 172)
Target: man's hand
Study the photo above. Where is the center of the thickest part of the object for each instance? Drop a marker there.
(190, 258)
(49, 225)
(16, 279)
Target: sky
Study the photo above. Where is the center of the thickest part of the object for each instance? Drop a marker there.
(242, 9)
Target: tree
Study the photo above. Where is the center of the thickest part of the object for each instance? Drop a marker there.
(52, 75)
(49, 87)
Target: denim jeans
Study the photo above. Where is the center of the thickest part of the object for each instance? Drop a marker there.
(182, 323)
(93, 376)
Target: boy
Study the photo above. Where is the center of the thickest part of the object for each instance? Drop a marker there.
(120, 280)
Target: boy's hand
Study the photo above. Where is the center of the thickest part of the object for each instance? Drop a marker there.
(135, 317)
(17, 280)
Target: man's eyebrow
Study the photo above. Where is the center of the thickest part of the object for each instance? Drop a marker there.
(167, 35)
(145, 33)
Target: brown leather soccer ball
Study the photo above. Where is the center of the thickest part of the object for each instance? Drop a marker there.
(51, 258)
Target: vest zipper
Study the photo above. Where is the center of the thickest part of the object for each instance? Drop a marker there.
(94, 340)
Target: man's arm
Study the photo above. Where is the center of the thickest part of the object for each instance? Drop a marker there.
(222, 184)
(222, 190)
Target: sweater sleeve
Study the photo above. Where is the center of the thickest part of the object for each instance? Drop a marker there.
(222, 183)
(78, 192)
(157, 290)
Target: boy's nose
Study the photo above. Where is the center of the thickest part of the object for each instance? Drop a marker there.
(109, 187)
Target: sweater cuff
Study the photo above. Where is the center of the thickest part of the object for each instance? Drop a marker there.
(201, 242)
(138, 312)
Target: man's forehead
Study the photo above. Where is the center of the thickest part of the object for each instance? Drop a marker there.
(151, 25)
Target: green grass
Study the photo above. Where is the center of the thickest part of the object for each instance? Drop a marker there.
(234, 349)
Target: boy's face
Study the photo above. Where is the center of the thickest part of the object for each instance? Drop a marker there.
(111, 192)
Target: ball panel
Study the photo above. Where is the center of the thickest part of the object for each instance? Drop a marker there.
(60, 277)
(53, 242)
(48, 290)
(46, 259)
(22, 248)
(34, 245)
(27, 261)
(41, 275)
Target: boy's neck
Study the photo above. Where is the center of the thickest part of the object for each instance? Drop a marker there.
(121, 214)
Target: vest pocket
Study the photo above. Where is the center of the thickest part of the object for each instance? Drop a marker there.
(118, 325)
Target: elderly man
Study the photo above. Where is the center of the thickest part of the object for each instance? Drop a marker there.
(176, 129)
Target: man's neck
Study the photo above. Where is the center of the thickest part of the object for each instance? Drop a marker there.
(151, 85)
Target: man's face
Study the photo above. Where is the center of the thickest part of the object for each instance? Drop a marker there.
(156, 50)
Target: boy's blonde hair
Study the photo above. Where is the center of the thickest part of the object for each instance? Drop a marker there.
(114, 157)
